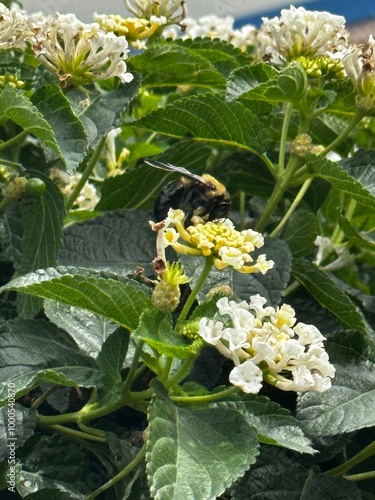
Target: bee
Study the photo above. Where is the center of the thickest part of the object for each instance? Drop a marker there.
(202, 196)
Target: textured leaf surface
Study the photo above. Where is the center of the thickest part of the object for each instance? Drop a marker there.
(24, 420)
(287, 85)
(120, 300)
(118, 242)
(33, 352)
(273, 423)
(300, 233)
(69, 132)
(210, 118)
(277, 477)
(196, 453)
(328, 294)
(88, 330)
(360, 188)
(346, 407)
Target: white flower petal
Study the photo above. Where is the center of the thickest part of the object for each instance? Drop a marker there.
(247, 376)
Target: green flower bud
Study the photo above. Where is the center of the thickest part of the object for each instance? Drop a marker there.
(166, 296)
(301, 145)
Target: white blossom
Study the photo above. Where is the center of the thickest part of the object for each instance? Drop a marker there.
(216, 27)
(288, 354)
(160, 11)
(300, 32)
(87, 198)
(247, 376)
(80, 53)
(15, 29)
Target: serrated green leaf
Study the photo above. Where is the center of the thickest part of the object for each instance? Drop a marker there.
(287, 85)
(112, 356)
(106, 109)
(226, 443)
(69, 132)
(329, 295)
(33, 352)
(54, 462)
(118, 299)
(118, 242)
(17, 107)
(32, 236)
(300, 233)
(353, 235)
(361, 167)
(359, 188)
(17, 424)
(346, 407)
(167, 63)
(277, 476)
(88, 330)
(274, 424)
(128, 190)
(156, 330)
(209, 118)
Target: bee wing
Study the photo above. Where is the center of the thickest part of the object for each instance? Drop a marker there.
(174, 168)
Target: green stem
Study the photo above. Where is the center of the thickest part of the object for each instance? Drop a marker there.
(14, 140)
(91, 430)
(181, 373)
(85, 174)
(185, 311)
(205, 399)
(357, 459)
(120, 475)
(281, 186)
(292, 207)
(284, 136)
(361, 477)
(133, 368)
(76, 434)
(166, 368)
(4, 203)
(356, 119)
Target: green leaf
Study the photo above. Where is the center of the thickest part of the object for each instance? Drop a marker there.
(17, 424)
(210, 118)
(119, 299)
(278, 477)
(329, 295)
(353, 235)
(359, 188)
(346, 407)
(33, 352)
(156, 330)
(361, 167)
(274, 424)
(128, 190)
(88, 330)
(166, 64)
(260, 83)
(17, 107)
(32, 236)
(227, 446)
(55, 463)
(112, 356)
(300, 233)
(118, 242)
(69, 131)
(106, 110)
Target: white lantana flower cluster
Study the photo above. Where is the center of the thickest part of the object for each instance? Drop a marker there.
(216, 27)
(15, 29)
(267, 344)
(216, 239)
(158, 11)
(80, 53)
(300, 32)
